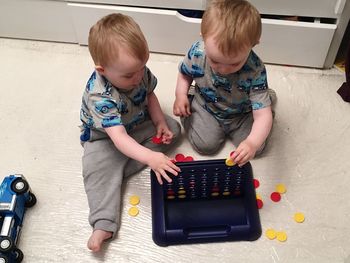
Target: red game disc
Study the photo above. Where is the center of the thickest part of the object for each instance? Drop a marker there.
(179, 157)
(275, 196)
(259, 203)
(256, 183)
(188, 159)
(157, 140)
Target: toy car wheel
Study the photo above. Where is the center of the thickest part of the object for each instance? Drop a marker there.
(18, 255)
(4, 259)
(6, 244)
(31, 200)
(19, 186)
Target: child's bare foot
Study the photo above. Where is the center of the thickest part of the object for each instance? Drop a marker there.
(96, 239)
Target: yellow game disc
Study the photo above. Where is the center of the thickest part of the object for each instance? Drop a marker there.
(133, 211)
(134, 200)
(258, 196)
(281, 188)
(270, 233)
(229, 162)
(281, 236)
(299, 217)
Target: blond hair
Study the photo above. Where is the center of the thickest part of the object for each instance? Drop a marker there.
(234, 24)
(111, 33)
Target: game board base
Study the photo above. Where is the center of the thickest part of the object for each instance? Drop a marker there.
(199, 220)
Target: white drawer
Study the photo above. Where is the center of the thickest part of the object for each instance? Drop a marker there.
(165, 30)
(295, 43)
(283, 42)
(311, 8)
(35, 19)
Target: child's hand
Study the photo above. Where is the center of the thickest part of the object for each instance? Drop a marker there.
(244, 152)
(160, 163)
(164, 133)
(182, 106)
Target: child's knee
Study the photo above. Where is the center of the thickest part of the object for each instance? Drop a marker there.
(205, 147)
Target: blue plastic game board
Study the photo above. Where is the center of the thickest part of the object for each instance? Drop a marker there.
(207, 202)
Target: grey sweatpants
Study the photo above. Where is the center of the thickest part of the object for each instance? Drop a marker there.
(207, 135)
(105, 167)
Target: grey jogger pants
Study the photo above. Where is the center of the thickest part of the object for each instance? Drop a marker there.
(207, 135)
(104, 168)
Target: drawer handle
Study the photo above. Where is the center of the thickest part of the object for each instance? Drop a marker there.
(188, 19)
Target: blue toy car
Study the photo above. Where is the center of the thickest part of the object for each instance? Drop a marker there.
(15, 197)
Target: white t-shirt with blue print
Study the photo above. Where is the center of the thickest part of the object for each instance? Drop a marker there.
(104, 105)
(225, 96)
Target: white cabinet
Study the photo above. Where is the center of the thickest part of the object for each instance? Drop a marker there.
(36, 19)
(313, 41)
(301, 43)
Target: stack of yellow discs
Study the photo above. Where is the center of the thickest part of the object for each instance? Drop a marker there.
(134, 200)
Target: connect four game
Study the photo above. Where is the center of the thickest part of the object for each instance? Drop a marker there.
(207, 202)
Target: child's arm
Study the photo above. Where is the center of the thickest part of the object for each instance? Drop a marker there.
(260, 130)
(182, 105)
(158, 119)
(158, 162)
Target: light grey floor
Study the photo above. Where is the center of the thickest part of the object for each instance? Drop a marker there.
(41, 87)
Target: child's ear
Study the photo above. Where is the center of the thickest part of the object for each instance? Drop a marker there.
(100, 69)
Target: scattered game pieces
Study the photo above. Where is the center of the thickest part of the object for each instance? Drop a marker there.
(299, 217)
(157, 140)
(281, 188)
(133, 211)
(229, 162)
(256, 183)
(179, 157)
(259, 203)
(182, 158)
(134, 200)
(281, 236)
(270, 234)
(275, 196)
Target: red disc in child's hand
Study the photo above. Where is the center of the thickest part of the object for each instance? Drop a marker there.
(188, 159)
(275, 196)
(259, 203)
(232, 153)
(256, 183)
(157, 140)
(179, 157)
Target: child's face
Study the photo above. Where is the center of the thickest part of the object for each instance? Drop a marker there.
(126, 72)
(221, 63)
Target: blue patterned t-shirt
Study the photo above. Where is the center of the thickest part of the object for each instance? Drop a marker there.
(104, 105)
(224, 96)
